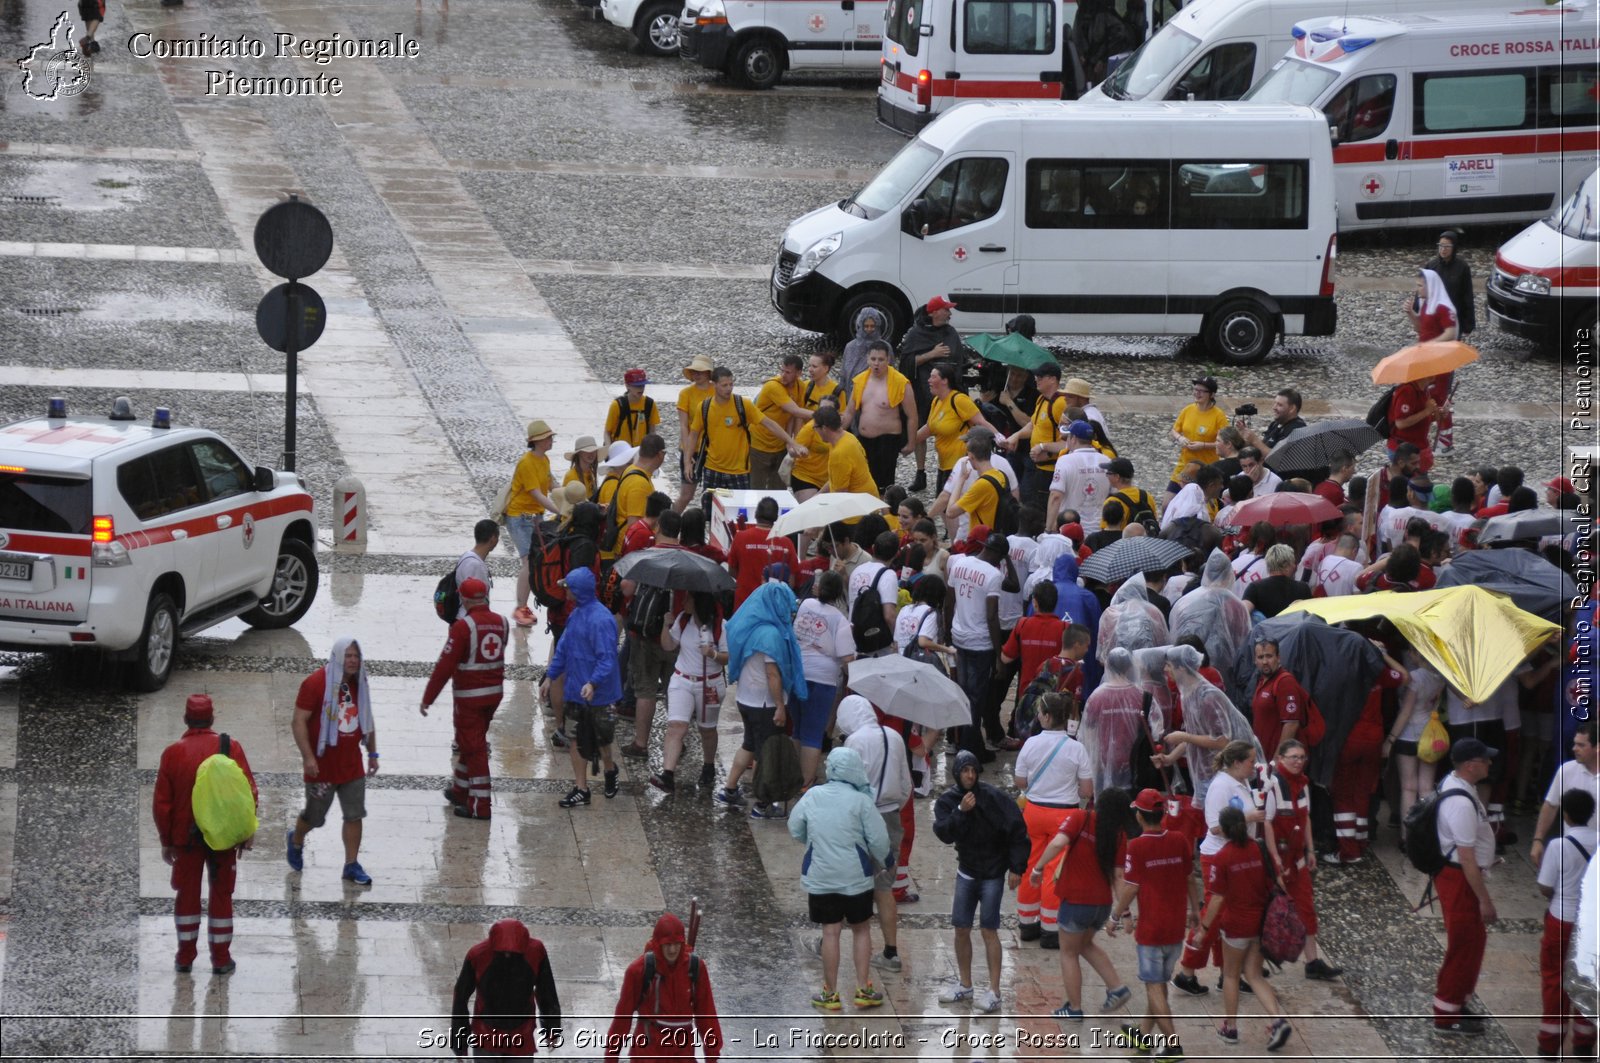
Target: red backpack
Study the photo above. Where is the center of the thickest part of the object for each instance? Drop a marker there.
(1315, 727)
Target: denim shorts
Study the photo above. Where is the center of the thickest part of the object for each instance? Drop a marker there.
(1076, 918)
(521, 529)
(970, 892)
(1157, 962)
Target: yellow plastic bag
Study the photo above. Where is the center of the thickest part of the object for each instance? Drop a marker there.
(224, 807)
(1434, 742)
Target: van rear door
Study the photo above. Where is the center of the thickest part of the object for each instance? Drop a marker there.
(1005, 49)
(45, 547)
(960, 239)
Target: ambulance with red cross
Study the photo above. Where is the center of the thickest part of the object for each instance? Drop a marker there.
(1443, 119)
(755, 42)
(124, 537)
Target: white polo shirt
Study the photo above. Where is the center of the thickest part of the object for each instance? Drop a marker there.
(1572, 776)
(1464, 825)
(1081, 478)
(1563, 868)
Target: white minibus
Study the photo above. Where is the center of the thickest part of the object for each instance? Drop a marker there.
(1213, 219)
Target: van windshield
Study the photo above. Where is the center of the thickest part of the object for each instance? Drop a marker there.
(1142, 72)
(51, 504)
(1579, 217)
(888, 190)
(1292, 82)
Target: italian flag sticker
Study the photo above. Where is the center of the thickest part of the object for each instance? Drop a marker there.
(74, 572)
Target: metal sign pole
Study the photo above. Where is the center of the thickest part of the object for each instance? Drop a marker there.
(292, 350)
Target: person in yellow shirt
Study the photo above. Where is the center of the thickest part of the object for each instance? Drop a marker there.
(848, 470)
(618, 458)
(949, 417)
(1195, 430)
(633, 413)
(819, 383)
(810, 473)
(1043, 434)
(719, 435)
(584, 455)
(883, 409)
(527, 505)
(698, 373)
(634, 489)
(982, 499)
(778, 401)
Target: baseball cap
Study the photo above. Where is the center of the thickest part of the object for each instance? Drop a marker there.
(940, 302)
(473, 588)
(1467, 749)
(635, 377)
(1081, 430)
(997, 543)
(198, 707)
(1207, 382)
(1120, 467)
(1150, 801)
(1076, 386)
(1562, 484)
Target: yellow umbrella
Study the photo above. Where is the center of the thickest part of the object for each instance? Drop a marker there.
(1475, 638)
(1423, 360)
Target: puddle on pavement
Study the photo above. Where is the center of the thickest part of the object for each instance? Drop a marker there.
(161, 306)
(70, 184)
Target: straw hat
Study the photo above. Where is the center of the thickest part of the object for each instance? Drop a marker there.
(584, 445)
(700, 363)
(567, 497)
(538, 429)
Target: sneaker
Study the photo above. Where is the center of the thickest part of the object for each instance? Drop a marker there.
(574, 798)
(1278, 1034)
(523, 616)
(226, 968)
(1029, 931)
(1049, 939)
(558, 738)
(611, 782)
(1169, 1059)
(296, 853)
(726, 796)
(1117, 998)
(708, 775)
(906, 895)
(868, 997)
(183, 968)
(463, 812)
(955, 994)
(885, 962)
(828, 1000)
(1010, 745)
(1319, 970)
(1331, 859)
(663, 781)
(1134, 1038)
(354, 872)
(1067, 1013)
(766, 810)
(919, 482)
(1228, 1034)
(988, 1002)
(1190, 984)
(1464, 1026)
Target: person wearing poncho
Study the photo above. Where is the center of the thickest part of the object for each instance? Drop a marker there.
(1215, 613)
(765, 664)
(1113, 719)
(1130, 621)
(1209, 720)
(661, 1013)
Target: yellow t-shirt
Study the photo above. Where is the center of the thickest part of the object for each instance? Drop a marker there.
(637, 424)
(728, 443)
(981, 499)
(847, 467)
(812, 393)
(1202, 428)
(770, 400)
(585, 478)
(813, 468)
(608, 488)
(690, 398)
(1047, 414)
(533, 474)
(897, 387)
(947, 419)
(633, 490)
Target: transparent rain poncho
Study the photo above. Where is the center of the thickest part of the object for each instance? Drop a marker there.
(1216, 614)
(1113, 719)
(1206, 711)
(1150, 675)
(1130, 621)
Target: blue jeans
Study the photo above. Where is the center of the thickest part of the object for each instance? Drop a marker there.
(970, 893)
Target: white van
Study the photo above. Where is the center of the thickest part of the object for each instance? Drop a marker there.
(1150, 219)
(653, 23)
(1478, 117)
(755, 41)
(1546, 280)
(1217, 49)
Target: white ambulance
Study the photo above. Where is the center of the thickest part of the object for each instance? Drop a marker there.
(124, 537)
(1214, 219)
(1476, 117)
(653, 23)
(756, 41)
(1546, 280)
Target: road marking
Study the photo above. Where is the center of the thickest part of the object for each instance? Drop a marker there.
(623, 169)
(211, 256)
(701, 270)
(141, 380)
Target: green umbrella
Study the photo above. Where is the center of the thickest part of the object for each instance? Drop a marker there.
(1011, 349)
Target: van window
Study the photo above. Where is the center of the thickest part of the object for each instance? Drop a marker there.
(1451, 103)
(1074, 194)
(1138, 75)
(966, 191)
(1223, 73)
(53, 505)
(1009, 27)
(1362, 109)
(225, 475)
(160, 483)
(1239, 195)
(1290, 81)
(1569, 95)
(903, 23)
(1578, 217)
(887, 191)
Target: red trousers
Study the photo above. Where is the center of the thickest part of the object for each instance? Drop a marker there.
(1200, 946)
(1465, 938)
(1297, 880)
(471, 751)
(1558, 1009)
(192, 862)
(908, 828)
(1359, 764)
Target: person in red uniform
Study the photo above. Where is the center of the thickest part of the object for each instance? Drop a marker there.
(1239, 886)
(1360, 764)
(182, 847)
(509, 973)
(752, 551)
(1279, 706)
(332, 718)
(674, 1017)
(473, 662)
(1288, 837)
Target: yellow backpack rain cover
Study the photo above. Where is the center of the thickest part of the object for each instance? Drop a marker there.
(224, 807)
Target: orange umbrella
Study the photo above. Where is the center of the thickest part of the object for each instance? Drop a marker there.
(1423, 360)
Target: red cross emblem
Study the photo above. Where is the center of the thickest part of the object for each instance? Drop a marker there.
(818, 23)
(491, 646)
(50, 434)
(249, 528)
(1371, 185)
(959, 254)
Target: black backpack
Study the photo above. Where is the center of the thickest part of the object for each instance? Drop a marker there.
(1422, 833)
(447, 597)
(1139, 508)
(705, 432)
(648, 611)
(867, 625)
(609, 526)
(625, 414)
(1007, 510)
(778, 776)
(650, 977)
(1378, 415)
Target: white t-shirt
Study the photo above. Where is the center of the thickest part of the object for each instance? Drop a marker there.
(752, 686)
(1189, 502)
(1225, 791)
(915, 621)
(471, 566)
(1080, 478)
(963, 476)
(1426, 685)
(691, 662)
(1572, 776)
(1057, 783)
(1267, 485)
(1316, 550)
(1248, 568)
(1457, 524)
(1014, 604)
(868, 571)
(1502, 705)
(1464, 825)
(1562, 869)
(974, 581)
(825, 638)
(1392, 523)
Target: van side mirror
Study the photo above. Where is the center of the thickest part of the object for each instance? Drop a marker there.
(925, 30)
(266, 479)
(1333, 134)
(915, 218)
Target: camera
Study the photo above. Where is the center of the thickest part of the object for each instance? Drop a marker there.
(1247, 410)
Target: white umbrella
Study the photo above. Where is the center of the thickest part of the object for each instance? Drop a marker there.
(910, 690)
(819, 511)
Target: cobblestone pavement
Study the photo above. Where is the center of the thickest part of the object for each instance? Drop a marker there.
(520, 214)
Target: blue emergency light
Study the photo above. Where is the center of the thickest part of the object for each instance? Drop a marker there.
(162, 419)
(58, 406)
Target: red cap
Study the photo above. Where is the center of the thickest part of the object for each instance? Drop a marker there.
(940, 302)
(1563, 485)
(198, 707)
(1073, 531)
(473, 589)
(1149, 801)
(635, 376)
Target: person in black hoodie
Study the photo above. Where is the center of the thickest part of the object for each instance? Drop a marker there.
(1457, 277)
(985, 825)
(931, 338)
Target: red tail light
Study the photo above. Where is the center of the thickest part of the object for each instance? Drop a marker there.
(1327, 265)
(924, 89)
(104, 530)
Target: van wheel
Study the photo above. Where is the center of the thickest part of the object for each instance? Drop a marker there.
(158, 645)
(1240, 332)
(884, 302)
(656, 30)
(757, 64)
(294, 588)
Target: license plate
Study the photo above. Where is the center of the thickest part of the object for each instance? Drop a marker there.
(22, 570)
(888, 74)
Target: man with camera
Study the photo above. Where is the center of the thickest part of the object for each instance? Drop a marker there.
(1285, 419)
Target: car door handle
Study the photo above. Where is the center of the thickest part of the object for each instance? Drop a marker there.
(847, 5)
(179, 534)
(224, 522)
(991, 247)
(1391, 149)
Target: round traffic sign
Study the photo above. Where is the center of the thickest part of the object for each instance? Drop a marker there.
(293, 239)
(281, 325)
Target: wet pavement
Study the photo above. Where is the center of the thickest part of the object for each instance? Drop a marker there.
(521, 214)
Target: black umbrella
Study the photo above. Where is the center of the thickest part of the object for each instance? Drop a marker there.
(1126, 557)
(1526, 578)
(1316, 445)
(675, 569)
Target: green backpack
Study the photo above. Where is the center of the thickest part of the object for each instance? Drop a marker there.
(224, 807)
(778, 776)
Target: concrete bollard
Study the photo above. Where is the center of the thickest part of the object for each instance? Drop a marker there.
(350, 507)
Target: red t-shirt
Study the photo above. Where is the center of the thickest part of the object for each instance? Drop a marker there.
(1431, 326)
(1081, 881)
(341, 761)
(1158, 863)
(1499, 509)
(1409, 399)
(1331, 491)
(1368, 727)
(1033, 641)
(1279, 699)
(639, 536)
(1237, 873)
(749, 555)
